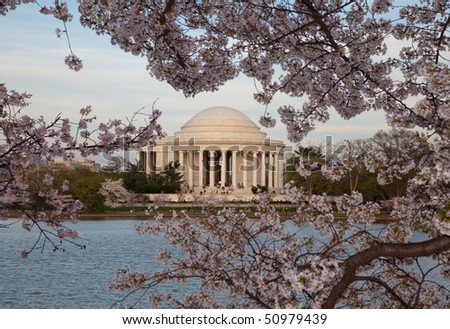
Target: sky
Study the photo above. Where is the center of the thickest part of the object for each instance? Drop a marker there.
(116, 84)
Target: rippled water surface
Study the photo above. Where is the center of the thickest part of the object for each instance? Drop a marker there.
(75, 278)
(79, 278)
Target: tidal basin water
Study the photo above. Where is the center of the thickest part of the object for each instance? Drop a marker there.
(75, 278)
(79, 278)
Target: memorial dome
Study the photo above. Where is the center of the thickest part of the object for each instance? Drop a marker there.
(221, 124)
(219, 147)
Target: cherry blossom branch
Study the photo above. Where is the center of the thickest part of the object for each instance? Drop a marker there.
(441, 39)
(385, 286)
(377, 250)
(41, 141)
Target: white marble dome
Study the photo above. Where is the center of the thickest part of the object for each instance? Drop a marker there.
(219, 147)
(221, 124)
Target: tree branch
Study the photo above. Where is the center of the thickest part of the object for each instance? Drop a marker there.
(385, 286)
(441, 38)
(377, 250)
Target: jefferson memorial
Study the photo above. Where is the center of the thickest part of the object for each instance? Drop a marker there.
(219, 147)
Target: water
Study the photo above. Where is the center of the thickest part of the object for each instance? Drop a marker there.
(75, 278)
(79, 278)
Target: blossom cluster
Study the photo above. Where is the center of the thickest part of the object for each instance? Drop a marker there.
(115, 193)
(29, 143)
(252, 258)
(332, 55)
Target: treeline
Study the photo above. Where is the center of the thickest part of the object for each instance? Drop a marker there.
(84, 184)
(168, 181)
(306, 168)
(367, 185)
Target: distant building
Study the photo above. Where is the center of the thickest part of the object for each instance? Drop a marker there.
(219, 147)
(59, 163)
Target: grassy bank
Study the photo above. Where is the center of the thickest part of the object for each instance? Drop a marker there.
(286, 211)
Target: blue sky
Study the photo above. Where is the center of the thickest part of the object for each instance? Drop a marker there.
(117, 84)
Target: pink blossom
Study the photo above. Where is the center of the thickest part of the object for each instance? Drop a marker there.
(267, 121)
(65, 186)
(73, 62)
(332, 57)
(48, 180)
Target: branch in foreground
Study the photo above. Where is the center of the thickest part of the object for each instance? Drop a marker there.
(396, 250)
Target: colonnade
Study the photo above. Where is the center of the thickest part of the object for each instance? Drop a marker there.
(220, 168)
(231, 168)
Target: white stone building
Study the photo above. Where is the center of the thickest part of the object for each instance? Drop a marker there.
(219, 147)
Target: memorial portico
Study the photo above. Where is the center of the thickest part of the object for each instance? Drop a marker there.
(219, 146)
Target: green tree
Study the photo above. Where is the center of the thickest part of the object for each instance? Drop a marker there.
(135, 180)
(34, 180)
(172, 177)
(168, 181)
(304, 167)
(85, 186)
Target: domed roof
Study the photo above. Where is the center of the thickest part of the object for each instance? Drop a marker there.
(221, 124)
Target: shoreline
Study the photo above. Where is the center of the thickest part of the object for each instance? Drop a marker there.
(139, 214)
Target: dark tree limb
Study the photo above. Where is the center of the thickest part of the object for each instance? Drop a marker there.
(385, 286)
(377, 250)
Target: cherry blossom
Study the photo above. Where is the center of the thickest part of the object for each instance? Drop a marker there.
(115, 193)
(335, 56)
(332, 56)
(74, 63)
(267, 121)
(30, 143)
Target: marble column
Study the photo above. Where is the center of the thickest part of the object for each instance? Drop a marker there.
(263, 168)
(181, 161)
(270, 170)
(200, 168)
(190, 162)
(280, 171)
(212, 168)
(223, 168)
(255, 167)
(276, 171)
(234, 155)
(150, 162)
(244, 169)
